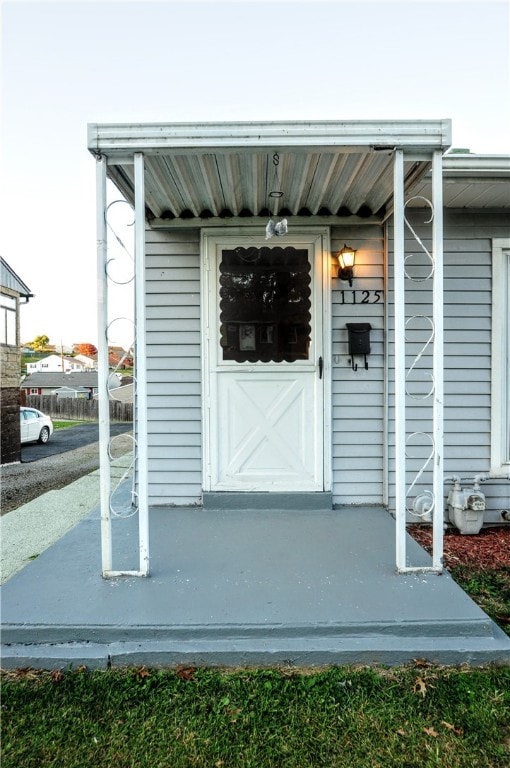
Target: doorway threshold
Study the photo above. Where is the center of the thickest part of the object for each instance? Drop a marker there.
(321, 500)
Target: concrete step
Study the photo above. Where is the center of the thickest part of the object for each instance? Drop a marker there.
(290, 651)
(267, 501)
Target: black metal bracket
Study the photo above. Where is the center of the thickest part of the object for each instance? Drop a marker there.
(354, 365)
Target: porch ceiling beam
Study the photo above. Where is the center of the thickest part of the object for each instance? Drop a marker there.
(112, 138)
(261, 221)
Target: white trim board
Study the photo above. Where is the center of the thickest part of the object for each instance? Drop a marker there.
(500, 359)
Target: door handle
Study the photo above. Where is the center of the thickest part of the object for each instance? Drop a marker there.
(321, 367)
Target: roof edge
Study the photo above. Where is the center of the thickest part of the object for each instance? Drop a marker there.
(481, 166)
(157, 137)
(24, 290)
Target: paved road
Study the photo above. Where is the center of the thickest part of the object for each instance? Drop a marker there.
(53, 466)
(68, 439)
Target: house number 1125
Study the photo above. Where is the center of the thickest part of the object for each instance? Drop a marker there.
(361, 297)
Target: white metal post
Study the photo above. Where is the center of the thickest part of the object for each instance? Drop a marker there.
(399, 354)
(141, 367)
(438, 367)
(102, 360)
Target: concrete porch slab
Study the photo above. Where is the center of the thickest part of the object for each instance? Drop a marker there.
(239, 587)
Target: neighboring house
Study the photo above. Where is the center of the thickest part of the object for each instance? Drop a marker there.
(124, 393)
(49, 383)
(89, 363)
(264, 369)
(56, 364)
(117, 356)
(13, 293)
(73, 392)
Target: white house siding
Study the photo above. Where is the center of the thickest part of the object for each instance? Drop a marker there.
(174, 370)
(174, 366)
(358, 396)
(359, 444)
(467, 348)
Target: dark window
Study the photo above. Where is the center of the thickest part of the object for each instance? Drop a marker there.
(8, 320)
(265, 304)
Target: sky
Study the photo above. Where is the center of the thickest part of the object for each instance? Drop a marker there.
(65, 64)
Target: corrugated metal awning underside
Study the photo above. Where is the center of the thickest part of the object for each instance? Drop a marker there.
(322, 169)
(240, 184)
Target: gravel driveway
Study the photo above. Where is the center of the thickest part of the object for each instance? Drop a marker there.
(20, 483)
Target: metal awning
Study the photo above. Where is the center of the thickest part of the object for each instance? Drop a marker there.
(472, 181)
(220, 170)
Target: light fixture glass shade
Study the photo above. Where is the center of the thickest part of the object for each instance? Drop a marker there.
(346, 257)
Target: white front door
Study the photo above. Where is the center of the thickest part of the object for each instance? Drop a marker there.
(263, 363)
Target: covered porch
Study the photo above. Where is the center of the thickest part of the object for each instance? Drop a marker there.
(194, 178)
(228, 587)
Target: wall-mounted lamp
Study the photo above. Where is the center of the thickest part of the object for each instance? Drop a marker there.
(346, 259)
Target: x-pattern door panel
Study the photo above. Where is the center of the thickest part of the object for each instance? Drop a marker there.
(266, 441)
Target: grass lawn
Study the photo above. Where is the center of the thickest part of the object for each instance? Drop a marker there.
(412, 717)
(66, 423)
(490, 589)
(480, 564)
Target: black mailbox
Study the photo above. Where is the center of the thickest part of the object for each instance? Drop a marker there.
(359, 341)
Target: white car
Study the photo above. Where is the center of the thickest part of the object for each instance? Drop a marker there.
(34, 426)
